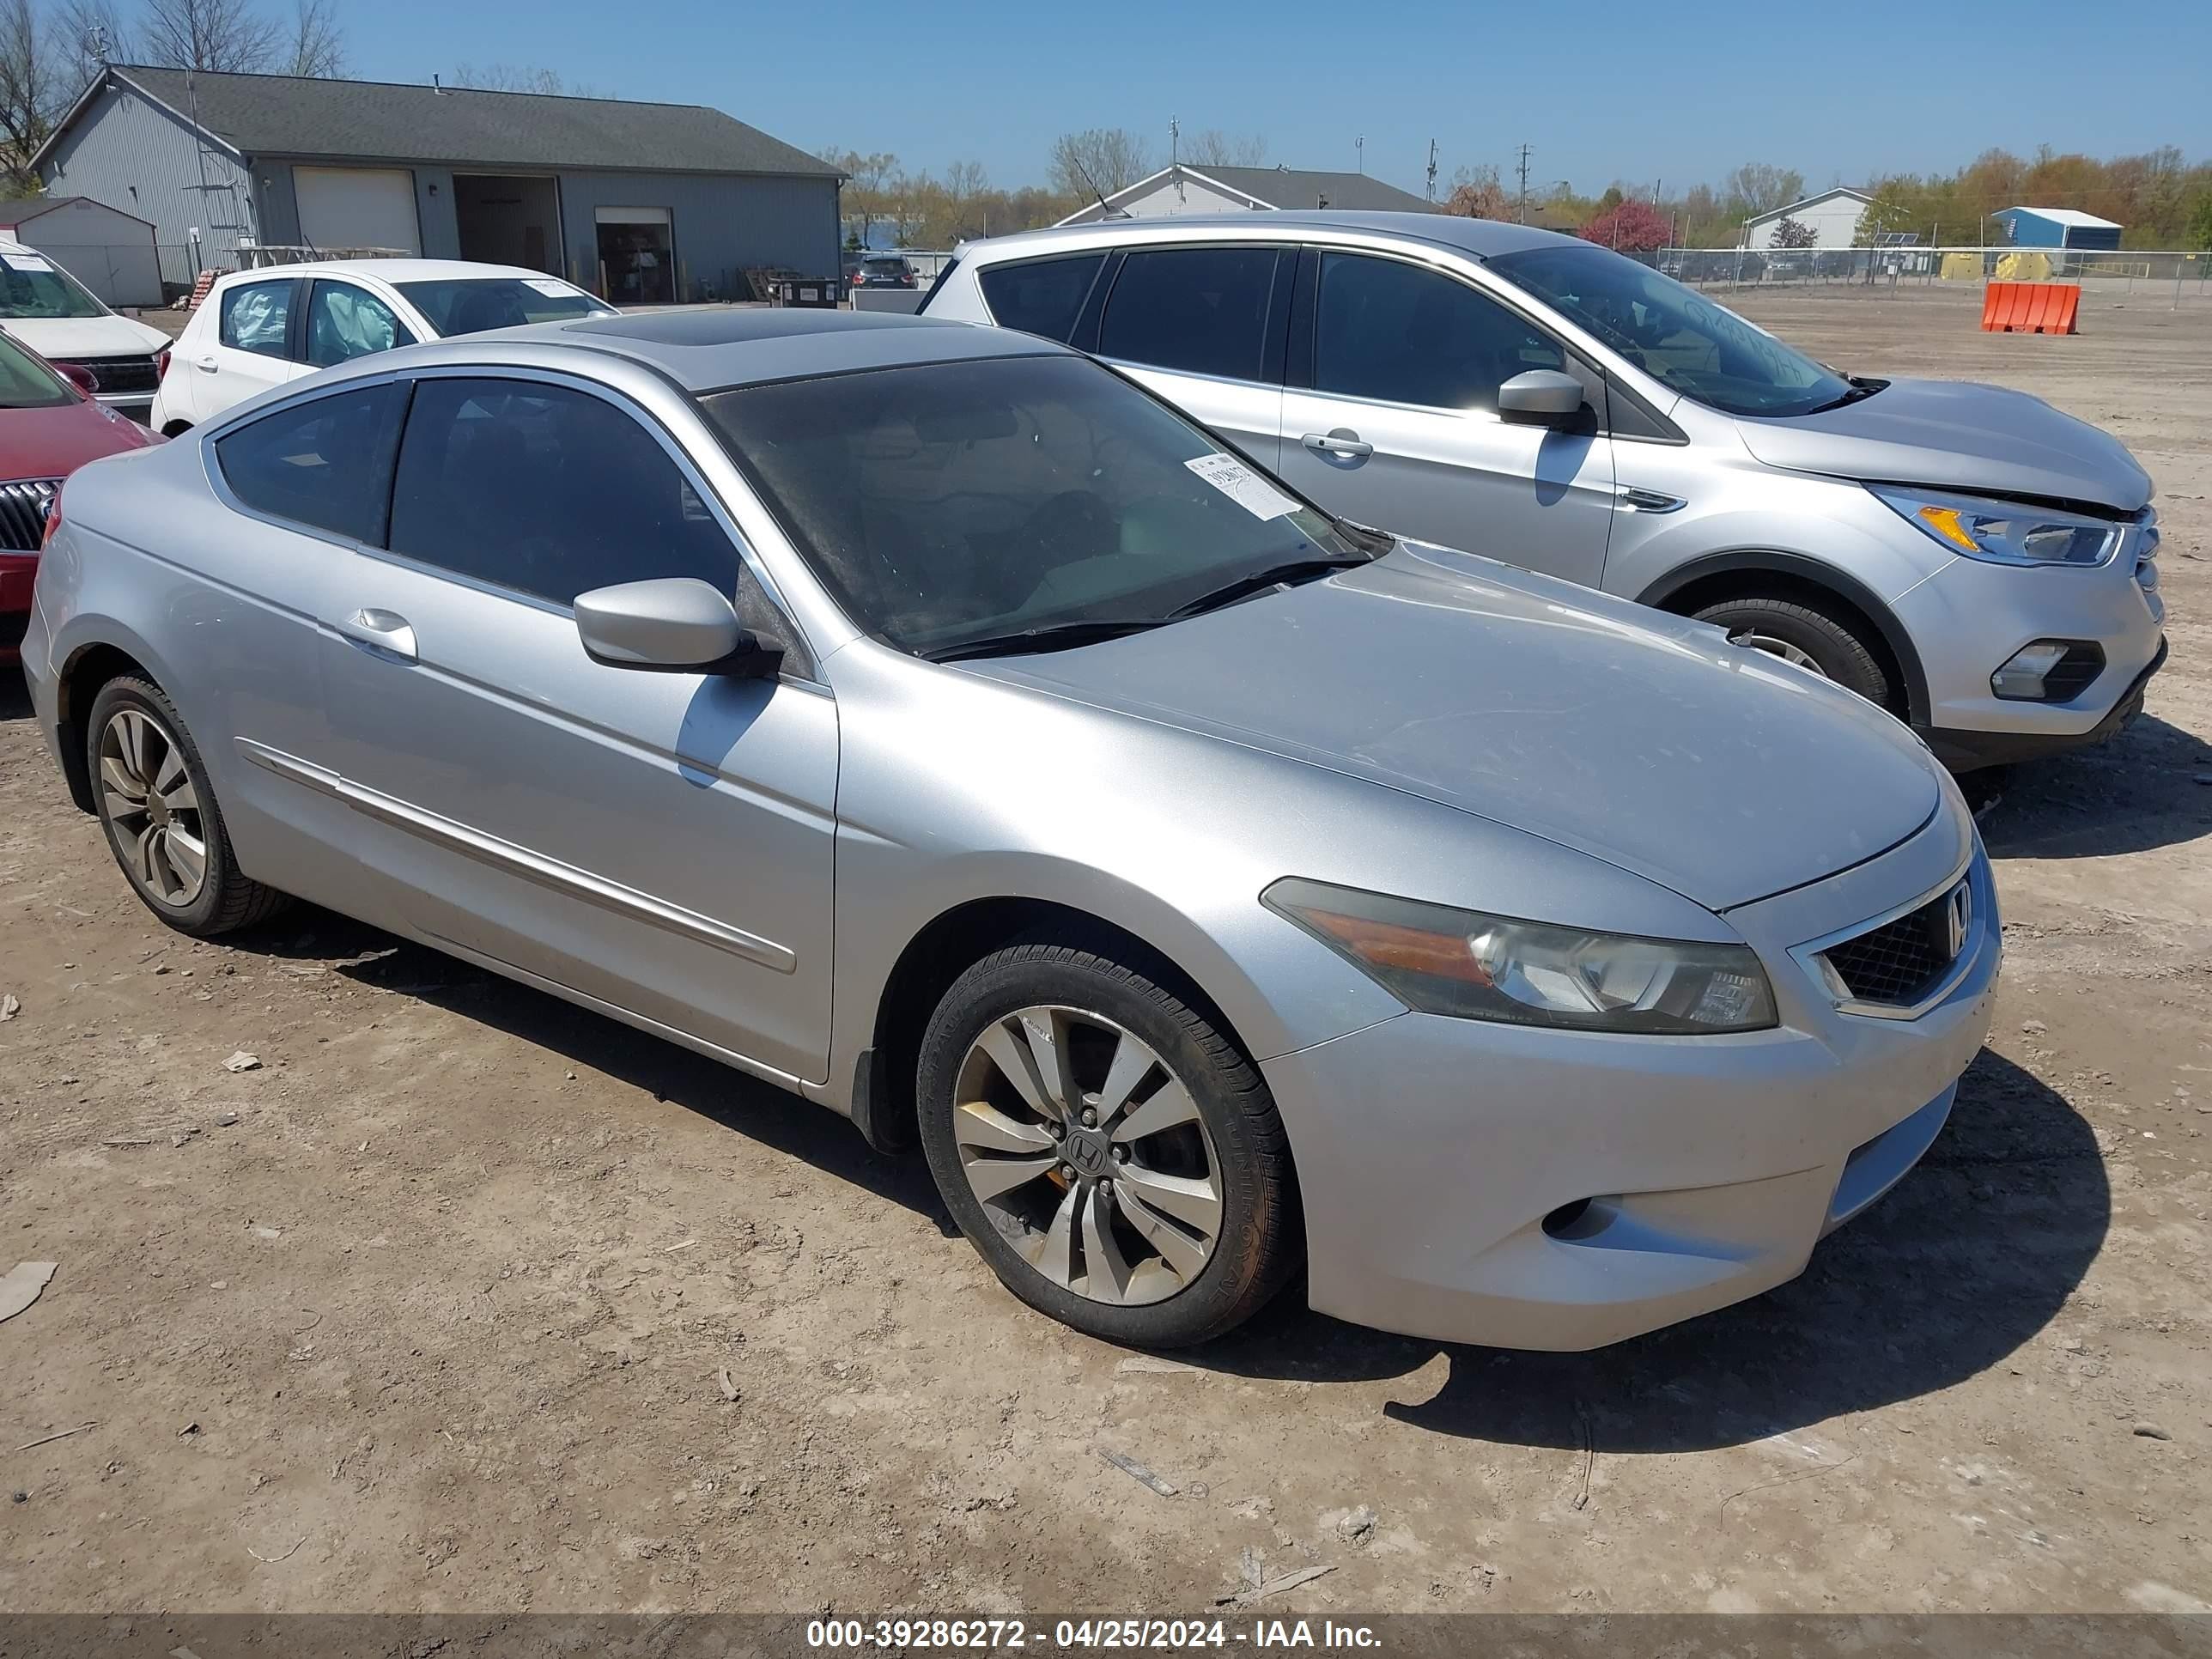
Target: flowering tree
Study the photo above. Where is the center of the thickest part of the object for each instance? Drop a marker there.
(1633, 226)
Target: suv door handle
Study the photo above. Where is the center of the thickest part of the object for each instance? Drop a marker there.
(1342, 441)
(384, 631)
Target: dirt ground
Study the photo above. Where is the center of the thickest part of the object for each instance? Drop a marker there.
(433, 1311)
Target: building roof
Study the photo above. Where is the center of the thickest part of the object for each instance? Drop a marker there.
(292, 115)
(1281, 187)
(13, 214)
(2073, 218)
(1787, 208)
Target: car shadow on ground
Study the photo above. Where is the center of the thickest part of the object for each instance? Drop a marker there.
(1969, 1257)
(14, 694)
(758, 1111)
(2145, 788)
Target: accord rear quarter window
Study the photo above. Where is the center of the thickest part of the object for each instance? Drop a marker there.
(326, 463)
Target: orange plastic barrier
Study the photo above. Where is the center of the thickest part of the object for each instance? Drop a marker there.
(2030, 307)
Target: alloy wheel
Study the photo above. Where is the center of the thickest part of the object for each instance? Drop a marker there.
(153, 811)
(1778, 647)
(1089, 1154)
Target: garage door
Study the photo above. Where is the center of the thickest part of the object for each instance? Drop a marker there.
(358, 207)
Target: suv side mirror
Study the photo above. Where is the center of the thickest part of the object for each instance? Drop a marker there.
(1541, 396)
(674, 625)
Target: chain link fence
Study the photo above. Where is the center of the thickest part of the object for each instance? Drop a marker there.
(2181, 277)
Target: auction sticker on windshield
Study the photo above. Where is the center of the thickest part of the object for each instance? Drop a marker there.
(547, 285)
(25, 262)
(1243, 485)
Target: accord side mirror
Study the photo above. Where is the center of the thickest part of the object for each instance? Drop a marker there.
(675, 625)
(1541, 396)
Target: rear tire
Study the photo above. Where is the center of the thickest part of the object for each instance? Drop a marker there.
(1809, 636)
(159, 811)
(1171, 1219)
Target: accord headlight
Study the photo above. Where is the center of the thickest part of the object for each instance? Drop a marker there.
(1445, 961)
(2006, 533)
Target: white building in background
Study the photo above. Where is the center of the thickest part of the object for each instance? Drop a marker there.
(1833, 217)
(1180, 189)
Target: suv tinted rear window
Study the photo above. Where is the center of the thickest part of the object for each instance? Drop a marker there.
(1040, 296)
(1201, 310)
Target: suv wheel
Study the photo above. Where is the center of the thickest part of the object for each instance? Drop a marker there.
(1113, 1156)
(1810, 637)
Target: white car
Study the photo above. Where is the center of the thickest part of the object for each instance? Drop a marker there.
(259, 329)
(51, 311)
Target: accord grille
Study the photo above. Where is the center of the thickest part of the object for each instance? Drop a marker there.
(1899, 963)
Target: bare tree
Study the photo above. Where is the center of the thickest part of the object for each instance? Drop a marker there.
(225, 35)
(318, 42)
(1476, 194)
(1216, 148)
(1106, 159)
(1758, 187)
(867, 183)
(27, 94)
(88, 36)
(965, 184)
(510, 77)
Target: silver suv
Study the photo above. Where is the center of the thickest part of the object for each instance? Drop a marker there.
(1966, 557)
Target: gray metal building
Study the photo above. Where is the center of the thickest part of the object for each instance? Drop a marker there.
(640, 202)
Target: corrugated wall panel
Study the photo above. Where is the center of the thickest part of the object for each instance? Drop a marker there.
(131, 153)
(722, 222)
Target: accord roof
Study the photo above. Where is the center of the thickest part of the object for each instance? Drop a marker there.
(707, 350)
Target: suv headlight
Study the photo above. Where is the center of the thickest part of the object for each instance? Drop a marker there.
(2006, 533)
(1440, 960)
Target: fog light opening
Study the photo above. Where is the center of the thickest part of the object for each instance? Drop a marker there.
(1561, 1223)
(2049, 671)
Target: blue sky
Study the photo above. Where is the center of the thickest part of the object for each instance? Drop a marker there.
(1658, 90)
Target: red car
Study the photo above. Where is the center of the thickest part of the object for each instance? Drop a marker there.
(48, 428)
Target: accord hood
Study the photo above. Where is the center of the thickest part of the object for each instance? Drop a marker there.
(1981, 440)
(1638, 737)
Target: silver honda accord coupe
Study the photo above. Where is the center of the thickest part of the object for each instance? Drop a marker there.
(930, 721)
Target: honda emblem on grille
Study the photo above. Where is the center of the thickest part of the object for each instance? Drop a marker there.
(1957, 915)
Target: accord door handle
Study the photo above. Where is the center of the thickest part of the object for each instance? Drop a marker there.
(1342, 441)
(384, 631)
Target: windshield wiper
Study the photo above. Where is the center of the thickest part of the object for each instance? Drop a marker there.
(1053, 637)
(1259, 581)
(1860, 390)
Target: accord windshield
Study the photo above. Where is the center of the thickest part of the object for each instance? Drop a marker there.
(1674, 334)
(950, 504)
(32, 285)
(471, 304)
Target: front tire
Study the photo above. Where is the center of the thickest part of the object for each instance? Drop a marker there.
(1112, 1154)
(1809, 636)
(160, 816)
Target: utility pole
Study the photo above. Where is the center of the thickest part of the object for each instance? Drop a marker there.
(1432, 169)
(1359, 149)
(1524, 184)
(1174, 141)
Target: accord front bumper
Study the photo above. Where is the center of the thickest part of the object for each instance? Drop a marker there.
(1536, 1188)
